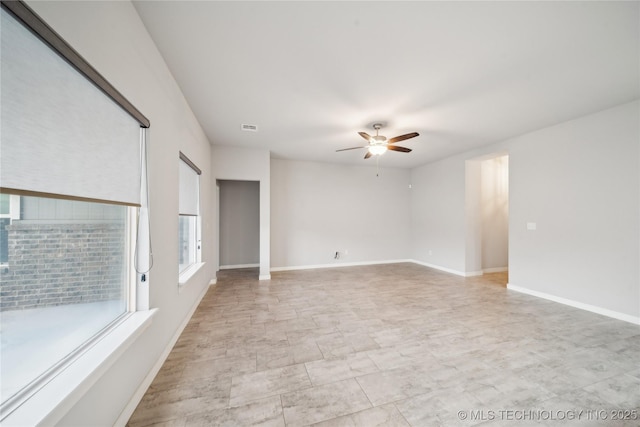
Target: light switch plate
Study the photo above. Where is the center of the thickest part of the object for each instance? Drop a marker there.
(531, 226)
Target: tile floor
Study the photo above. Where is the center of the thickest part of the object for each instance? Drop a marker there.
(393, 345)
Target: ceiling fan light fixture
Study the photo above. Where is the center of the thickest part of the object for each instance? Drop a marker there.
(379, 144)
(377, 149)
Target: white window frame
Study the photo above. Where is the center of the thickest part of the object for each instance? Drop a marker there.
(47, 399)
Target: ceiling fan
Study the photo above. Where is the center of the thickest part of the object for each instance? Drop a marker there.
(378, 144)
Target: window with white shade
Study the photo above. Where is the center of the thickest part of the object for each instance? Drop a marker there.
(188, 218)
(70, 176)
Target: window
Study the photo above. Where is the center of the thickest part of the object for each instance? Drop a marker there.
(65, 280)
(187, 241)
(188, 218)
(70, 175)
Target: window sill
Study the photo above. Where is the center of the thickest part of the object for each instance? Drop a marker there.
(186, 275)
(49, 404)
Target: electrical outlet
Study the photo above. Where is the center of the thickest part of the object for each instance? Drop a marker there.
(430, 252)
(346, 251)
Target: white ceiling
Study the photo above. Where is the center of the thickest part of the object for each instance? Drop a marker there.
(311, 75)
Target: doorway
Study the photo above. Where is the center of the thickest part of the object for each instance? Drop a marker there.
(487, 201)
(494, 202)
(239, 224)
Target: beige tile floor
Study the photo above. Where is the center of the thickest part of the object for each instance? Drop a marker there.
(393, 345)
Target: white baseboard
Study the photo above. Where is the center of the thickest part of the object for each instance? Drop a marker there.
(447, 270)
(473, 273)
(393, 261)
(463, 273)
(495, 270)
(146, 382)
(213, 282)
(588, 307)
(338, 264)
(264, 277)
(234, 266)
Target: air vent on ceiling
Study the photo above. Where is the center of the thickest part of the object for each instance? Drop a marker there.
(249, 128)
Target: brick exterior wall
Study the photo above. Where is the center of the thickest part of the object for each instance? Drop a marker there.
(56, 264)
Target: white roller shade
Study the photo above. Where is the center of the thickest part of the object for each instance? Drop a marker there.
(60, 133)
(189, 188)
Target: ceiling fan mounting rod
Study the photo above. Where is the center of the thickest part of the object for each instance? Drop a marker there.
(378, 139)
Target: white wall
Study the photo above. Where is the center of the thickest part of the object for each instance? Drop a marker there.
(112, 38)
(239, 223)
(319, 209)
(438, 220)
(243, 164)
(579, 182)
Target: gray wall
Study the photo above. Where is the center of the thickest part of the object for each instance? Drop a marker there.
(239, 223)
(319, 208)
